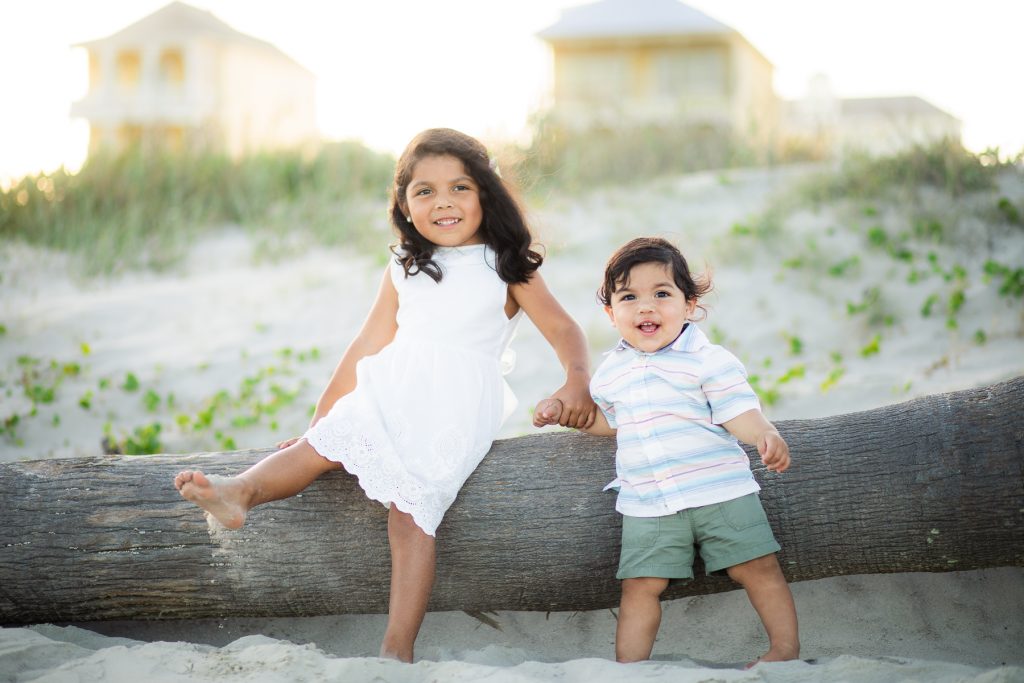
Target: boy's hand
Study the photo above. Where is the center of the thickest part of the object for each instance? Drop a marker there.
(774, 451)
(547, 412)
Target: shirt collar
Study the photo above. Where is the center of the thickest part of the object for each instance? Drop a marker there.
(689, 340)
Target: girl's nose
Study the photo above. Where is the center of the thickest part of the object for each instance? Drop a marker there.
(443, 202)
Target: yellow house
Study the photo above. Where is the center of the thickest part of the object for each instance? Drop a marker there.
(622, 62)
(182, 76)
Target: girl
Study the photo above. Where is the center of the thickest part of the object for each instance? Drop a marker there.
(418, 396)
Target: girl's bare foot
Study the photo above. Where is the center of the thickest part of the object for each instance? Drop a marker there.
(782, 654)
(223, 498)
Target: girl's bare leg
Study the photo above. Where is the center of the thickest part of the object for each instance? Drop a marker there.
(412, 578)
(639, 618)
(773, 601)
(281, 475)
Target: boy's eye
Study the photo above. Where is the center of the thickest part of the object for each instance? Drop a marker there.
(662, 295)
(627, 297)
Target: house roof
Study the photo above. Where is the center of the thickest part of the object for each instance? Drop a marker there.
(888, 106)
(178, 21)
(622, 18)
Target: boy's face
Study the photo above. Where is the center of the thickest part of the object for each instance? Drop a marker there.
(649, 310)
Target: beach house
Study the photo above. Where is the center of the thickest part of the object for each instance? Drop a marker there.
(181, 76)
(830, 125)
(660, 63)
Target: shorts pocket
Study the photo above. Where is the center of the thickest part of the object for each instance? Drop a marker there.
(744, 512)
(640, 532)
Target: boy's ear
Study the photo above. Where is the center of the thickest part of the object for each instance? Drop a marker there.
(691, 306)
(611, 313)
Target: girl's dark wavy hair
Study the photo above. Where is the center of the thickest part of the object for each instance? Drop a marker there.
(503, 227)
(643, 250)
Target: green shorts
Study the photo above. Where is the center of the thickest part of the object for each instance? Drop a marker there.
(727, 534)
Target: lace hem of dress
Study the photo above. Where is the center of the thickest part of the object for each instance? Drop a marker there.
(369, 455)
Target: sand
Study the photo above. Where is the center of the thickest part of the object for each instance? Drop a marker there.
(224, 315)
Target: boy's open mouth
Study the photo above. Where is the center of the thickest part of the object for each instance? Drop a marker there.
(647, 327)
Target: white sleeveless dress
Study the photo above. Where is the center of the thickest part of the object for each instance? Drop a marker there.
(427, 407)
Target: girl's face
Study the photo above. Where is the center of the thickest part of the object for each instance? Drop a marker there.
(443, 202)
(649, 310)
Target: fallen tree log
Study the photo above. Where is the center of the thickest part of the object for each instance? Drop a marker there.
(934, 484)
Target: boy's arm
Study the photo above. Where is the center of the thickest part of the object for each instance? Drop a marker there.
(548, 410)
(752, 427)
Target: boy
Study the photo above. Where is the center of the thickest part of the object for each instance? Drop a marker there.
(676, 404)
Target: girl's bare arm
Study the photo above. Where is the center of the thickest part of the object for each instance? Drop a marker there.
(378, 331)
(570, 344)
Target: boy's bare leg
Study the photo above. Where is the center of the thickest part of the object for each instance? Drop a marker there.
(773, 601)
(639, 618)
(412, 578)
(281, 475)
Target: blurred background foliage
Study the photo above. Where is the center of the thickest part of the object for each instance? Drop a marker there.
(142, 207)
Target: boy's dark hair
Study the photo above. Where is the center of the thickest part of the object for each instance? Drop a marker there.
(503, 227)
(651, 250)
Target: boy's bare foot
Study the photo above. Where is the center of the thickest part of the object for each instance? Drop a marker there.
(223, 498)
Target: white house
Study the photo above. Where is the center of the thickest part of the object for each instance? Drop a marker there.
(829, 124)
(181, 76)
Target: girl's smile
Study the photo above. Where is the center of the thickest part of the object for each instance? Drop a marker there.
(443, 202)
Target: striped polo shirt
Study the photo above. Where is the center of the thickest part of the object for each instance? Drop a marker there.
(667, 408)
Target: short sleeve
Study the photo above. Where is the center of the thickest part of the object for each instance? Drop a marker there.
(725, 385)
(608, 409)
(606, 406)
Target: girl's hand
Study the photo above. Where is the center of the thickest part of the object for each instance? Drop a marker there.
(547, 412)
(578, 409)
(287, 442)
(774, 451)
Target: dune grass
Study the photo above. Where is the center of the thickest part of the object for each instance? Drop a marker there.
(918, 233)
(142, 207)
(565, 159)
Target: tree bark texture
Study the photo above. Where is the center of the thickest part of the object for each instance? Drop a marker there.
(934, 484)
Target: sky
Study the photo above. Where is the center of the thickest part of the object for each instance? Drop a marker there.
(389, 68)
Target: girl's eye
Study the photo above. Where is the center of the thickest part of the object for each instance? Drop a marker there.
(423, 191)
(460, 188)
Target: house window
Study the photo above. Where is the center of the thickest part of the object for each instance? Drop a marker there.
(129, 135)
(172, 67)
(96, 137)
(95, 73)
(128, 69)
(693, 72)
(595, 77)
(174, 138)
